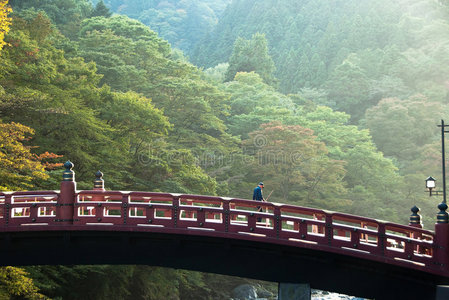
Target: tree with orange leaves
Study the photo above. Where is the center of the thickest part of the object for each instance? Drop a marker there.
(19, 167)
(295, 163)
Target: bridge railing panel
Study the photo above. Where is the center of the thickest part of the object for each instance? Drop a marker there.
(124, 208)
(153, 210)
(30, 208)
(252, 218)
(406, 244)
(303, 224)
(199, 216)
(297, 229)
(354, 238)
(151, 214)
(98, 208)
(355, 234)
(201, 213)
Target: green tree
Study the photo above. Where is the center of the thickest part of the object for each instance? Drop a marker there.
(65, 14)
(252, 103)
(303, 75)
(348, 87)
(217, 73)
(101, 10)
(182, 23)
(318, 72)
(142, 62)
(409, 124)
(252, 55)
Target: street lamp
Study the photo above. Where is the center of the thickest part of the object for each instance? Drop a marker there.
(442, 216)
(430, 185)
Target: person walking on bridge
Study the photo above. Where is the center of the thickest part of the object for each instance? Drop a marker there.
(258, 196)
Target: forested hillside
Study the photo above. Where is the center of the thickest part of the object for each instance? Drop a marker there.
(350, 54)
(181, 22)
(333, 104)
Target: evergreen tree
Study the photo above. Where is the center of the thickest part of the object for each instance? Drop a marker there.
(101, 10)
(303, 75)
(252, 55)
(317, 71)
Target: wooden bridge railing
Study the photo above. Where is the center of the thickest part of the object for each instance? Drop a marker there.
(322, 230)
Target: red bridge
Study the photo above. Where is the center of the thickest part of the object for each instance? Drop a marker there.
(281, 243)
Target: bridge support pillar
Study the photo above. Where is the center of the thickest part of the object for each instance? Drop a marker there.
(293, 291)
(442, 245)
(442, 292)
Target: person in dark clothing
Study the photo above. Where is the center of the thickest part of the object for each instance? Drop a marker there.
(258, 196)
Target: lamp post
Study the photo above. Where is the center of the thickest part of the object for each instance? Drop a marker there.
(441, 240)
(442, 216)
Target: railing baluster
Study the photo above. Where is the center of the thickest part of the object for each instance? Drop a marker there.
(355, 238)
(99, 211)
(175, 211)
(7, 209)
(381, 239)
(408, 249)
(277, 221)
(329, 229)
(200, 217)
(34, 212)
(226, 215)
(125, 209)
(303, 228)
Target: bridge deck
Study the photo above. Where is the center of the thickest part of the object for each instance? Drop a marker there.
(239, 219)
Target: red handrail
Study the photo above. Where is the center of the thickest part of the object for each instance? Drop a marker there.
(224, 217)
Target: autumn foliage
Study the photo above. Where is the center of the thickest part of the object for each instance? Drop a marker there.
(5, 21)
(18, 165)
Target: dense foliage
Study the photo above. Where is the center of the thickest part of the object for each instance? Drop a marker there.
(353, 53)
(331, 104)
(183, 23)
(5, 21)
(251, 56)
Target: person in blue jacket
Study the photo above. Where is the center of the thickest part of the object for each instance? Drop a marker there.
(257, 195)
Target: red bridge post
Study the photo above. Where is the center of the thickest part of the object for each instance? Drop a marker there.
(99, 182)
(66, 200)
(98, 186)
(442, 238)
(415, 218)
(415, 221)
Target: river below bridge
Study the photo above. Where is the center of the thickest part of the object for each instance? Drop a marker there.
(251, 292)
(323, 295)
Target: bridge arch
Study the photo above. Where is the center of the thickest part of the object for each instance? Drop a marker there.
(284, 243)
(257, 260)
